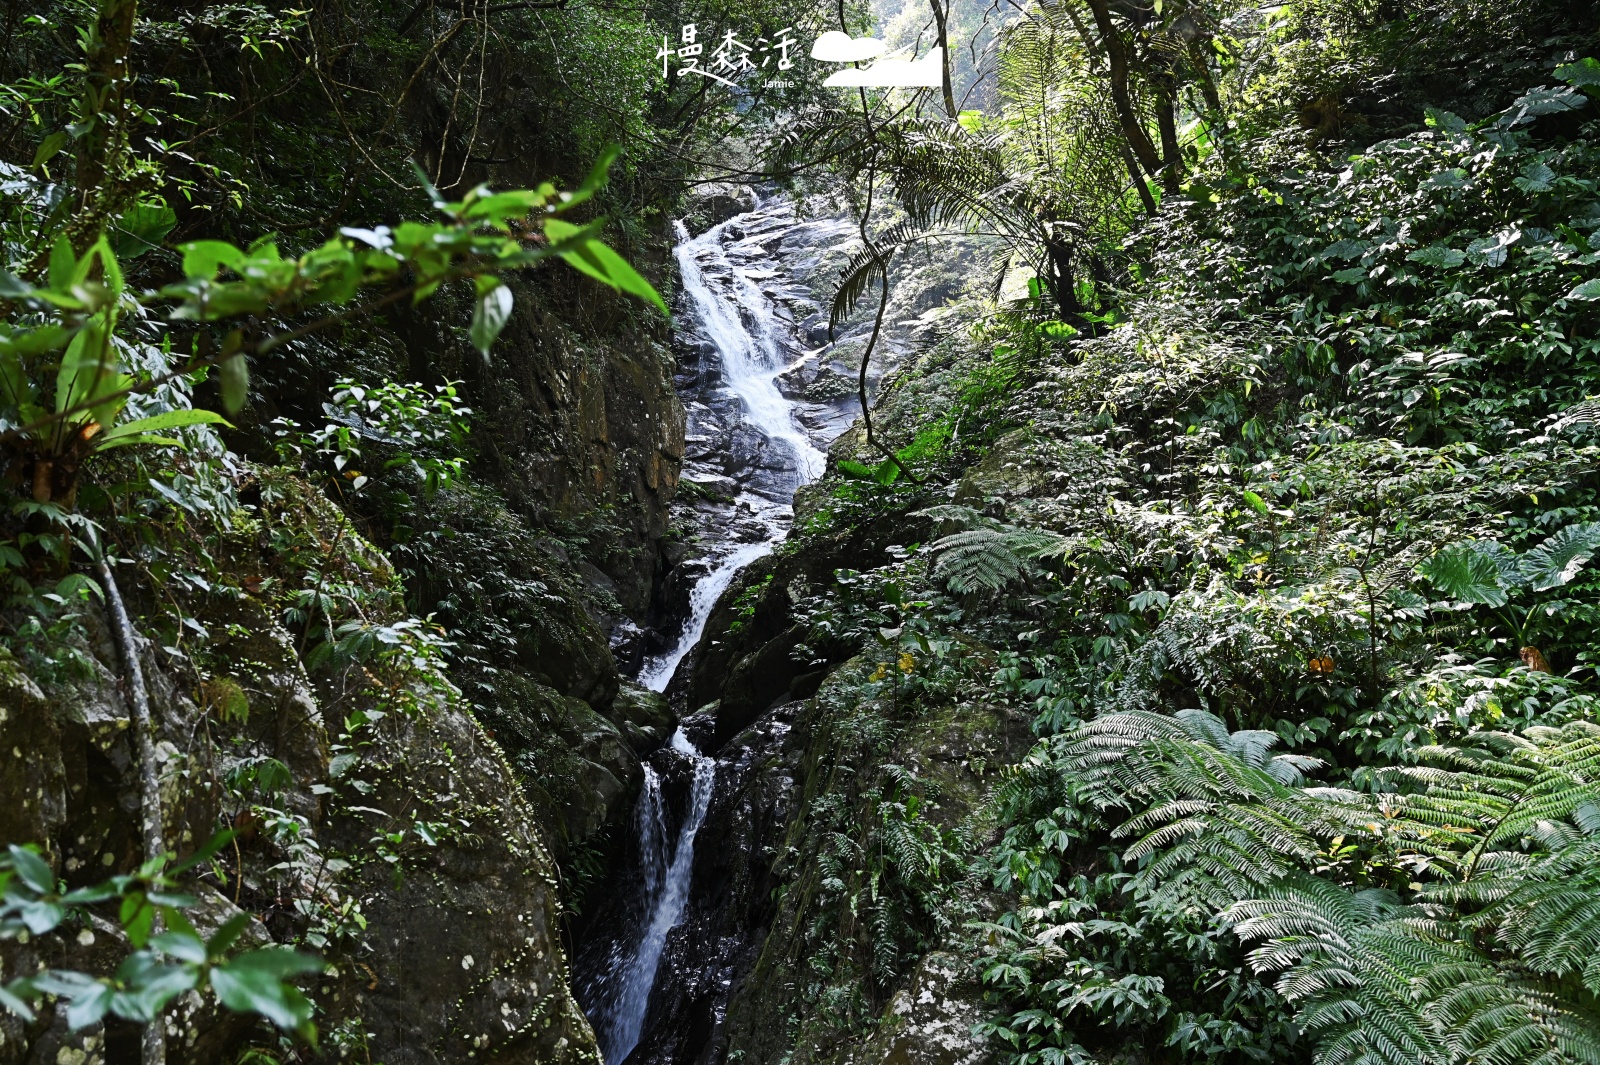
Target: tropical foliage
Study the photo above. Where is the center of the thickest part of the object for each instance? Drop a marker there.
(1277, 521)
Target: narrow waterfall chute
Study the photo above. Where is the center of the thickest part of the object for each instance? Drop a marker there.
(669, 878)
(742, 325)
(745, 342)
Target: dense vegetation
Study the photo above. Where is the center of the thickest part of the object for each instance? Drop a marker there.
(1237, 532)
(255, 259)
(1271, 507)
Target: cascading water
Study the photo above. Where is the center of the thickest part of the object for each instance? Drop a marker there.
(743, 329)
(742, 325)
(665, 876)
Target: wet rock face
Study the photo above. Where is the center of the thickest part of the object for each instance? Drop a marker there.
(931, 1021)
(465, 953)
(716, 203)
(575, 421)
(779, 1009)
(745, 661)
(780, 260)
(577, 766)
(588, 423)
(34, 783)
(755, 349)
(740, 474)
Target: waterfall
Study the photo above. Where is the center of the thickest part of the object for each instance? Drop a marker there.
(742, 324)
(665, 884)
(657, 673)
(743, 328)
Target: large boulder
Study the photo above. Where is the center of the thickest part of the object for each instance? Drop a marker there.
(712, 204)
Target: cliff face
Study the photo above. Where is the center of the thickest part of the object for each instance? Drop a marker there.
(395, 842)
(544, 567)
(575, 421)
(820, 926)
(411, 713)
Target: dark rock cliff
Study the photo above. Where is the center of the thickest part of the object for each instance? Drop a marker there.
(397, 845)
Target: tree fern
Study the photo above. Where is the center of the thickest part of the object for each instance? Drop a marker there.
(1497, 792)
(1380, 982)
(1507, 824)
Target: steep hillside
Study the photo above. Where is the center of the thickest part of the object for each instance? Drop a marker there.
(374, 612)
(1113, 533)
(1281, 548)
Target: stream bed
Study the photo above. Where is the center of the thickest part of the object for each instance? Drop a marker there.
(750, 341)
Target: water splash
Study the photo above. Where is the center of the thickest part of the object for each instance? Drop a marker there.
(665, 876)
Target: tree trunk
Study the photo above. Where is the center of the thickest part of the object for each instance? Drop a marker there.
(1062, 284)
(105, 82)
(1117, 56)
(1139, 186)
(1167, 123)
(150, 815)
(941, 16)
(882, 263)
(1216, 122)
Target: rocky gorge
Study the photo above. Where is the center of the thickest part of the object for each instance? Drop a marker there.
(679, 965)
(514, 552)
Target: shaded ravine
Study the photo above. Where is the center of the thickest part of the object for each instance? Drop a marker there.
(754, 455)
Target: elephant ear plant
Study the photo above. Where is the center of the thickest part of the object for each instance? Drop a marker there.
(1490, 574)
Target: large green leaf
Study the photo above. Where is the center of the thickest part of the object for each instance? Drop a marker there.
(148, 984)
(235, 381)
(202, 258)
(1585, 73)
(141, 229)
(173, 419)
(1558, 560)
(592, 257)
(14, 997)
(90, 371)
(225, 936)
(32, 869)
(89, 1006)
(1467, 575)
(1541, 101)
(489, 317)
(595, 180)
(256, 983)
(61, 263)
(1438, 255)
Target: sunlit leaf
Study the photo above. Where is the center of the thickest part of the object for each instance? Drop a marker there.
(489, 317)
(1466, 575)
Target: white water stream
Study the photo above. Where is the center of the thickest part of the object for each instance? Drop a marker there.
(665, 872)
(741, 322)
(742, 325)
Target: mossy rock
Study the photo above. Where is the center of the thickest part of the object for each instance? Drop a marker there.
(580, 766)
